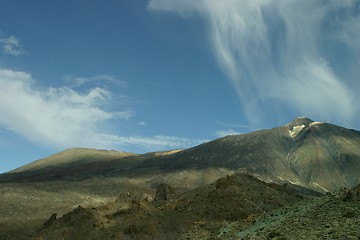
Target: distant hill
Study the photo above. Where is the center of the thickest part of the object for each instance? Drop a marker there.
(316, 155)
(71, 164)
(73, 157)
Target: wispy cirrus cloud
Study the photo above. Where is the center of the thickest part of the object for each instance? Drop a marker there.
(79, 81)
(154, 143)
(142, 123)
(12, 46)
(301, 55)
(63, 118)
(245, 127)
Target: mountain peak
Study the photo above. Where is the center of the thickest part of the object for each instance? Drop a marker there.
(297, 125)
(300, 121)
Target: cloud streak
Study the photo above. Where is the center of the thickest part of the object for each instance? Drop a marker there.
(155, 143)
(63, 118)
(223, 133)
(79, 81)
(300, 56)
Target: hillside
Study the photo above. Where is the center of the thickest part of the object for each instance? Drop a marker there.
(320, 156)
(334, 216)
(235, 207)
(298, 156)
(200, 212)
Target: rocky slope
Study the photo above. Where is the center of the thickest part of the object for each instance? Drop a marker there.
(334, 216)
(200, 212)
(235, 207)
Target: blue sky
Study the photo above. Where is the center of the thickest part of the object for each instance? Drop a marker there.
(153, 75)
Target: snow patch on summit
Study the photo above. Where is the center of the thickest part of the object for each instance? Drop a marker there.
(315, 123)
(294, 131)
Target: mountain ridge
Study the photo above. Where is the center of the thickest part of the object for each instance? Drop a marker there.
(317, 155)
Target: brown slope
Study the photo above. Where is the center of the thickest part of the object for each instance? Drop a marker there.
(71, 164)
(201, 211)
(73, 156)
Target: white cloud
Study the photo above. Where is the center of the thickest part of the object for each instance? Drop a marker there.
(223, 133)
(12, 46)
(55, 117)
(302, 55)
(62, 117)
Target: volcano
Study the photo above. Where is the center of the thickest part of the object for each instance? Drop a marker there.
(316, 155)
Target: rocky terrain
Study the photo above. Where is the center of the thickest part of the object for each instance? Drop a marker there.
(334, 216)
(276, 192)
(198, 213)
(24, 207)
